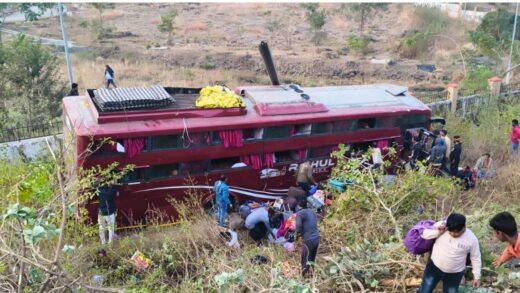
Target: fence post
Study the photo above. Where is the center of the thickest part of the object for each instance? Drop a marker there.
(494, 86)
(453, 95)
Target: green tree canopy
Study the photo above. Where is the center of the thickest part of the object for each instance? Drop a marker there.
(31, 88)
(167, 25)
(493, 35)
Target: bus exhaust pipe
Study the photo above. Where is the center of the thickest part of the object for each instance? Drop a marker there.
(269, 63)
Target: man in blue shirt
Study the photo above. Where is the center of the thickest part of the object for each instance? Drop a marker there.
(107, 211)
(222, 199)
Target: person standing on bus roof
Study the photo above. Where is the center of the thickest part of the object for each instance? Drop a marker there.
(107, 211)
(110, 76)
(304, 176)
(222, 199)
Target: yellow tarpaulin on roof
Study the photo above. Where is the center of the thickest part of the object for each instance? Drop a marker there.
(218, 97)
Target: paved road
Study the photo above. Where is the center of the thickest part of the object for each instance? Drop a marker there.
(45, 41)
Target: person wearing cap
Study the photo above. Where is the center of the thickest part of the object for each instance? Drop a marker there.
(74, 90)
(455, 156)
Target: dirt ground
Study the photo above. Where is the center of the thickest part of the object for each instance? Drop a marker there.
(226, 37)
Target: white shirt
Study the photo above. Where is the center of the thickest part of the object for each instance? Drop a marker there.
(234, 240)
(449, 254)
(107, 75)
(376, 156)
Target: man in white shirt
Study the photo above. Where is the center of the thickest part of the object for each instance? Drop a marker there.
(449, 254)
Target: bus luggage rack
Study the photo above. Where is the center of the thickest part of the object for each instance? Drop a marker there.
(30, 131)
(120, 99)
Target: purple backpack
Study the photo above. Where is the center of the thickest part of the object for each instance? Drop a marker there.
(414, 242)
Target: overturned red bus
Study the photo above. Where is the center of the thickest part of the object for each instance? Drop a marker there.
(258, 147)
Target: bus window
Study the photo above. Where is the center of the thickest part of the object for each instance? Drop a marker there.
(196, 139)
(226, 163)
(163, 171)
(109, 147)
(277, 132)
(322, 128)
(344, 126)
(215, 138)
(134, 175)
(320, 152)
(287, 156)
(367, 123)
(195, 167)
(163, 142)
(252, 133)
(386, 122)
(302, 129)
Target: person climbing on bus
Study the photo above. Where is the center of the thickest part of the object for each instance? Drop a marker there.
(222, 199)
(304, 176)
(74, 90)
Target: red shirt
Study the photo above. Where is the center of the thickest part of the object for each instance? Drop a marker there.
(515, 134)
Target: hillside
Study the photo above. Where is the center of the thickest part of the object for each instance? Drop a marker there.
(225, 37)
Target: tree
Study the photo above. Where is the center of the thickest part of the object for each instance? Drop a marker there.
(31, 11)
(167, 25)
(31, 86)
(316, 19)
(493, 34)
(98, 27)
(364, 10)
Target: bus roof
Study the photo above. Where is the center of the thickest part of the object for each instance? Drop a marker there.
(281, 105)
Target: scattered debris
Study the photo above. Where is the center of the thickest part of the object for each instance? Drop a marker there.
(140, 260)
(382, 61)
(426, 67)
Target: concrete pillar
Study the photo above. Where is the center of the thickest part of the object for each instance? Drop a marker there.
(453, 95)
(494, 86)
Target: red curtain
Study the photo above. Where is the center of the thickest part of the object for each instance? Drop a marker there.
(382, 144)
(269, 160)
(133, 146)
(231, 138)
(301, 154)
(252, 160)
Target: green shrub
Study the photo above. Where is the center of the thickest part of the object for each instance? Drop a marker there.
(359, 45)
(477, 79)
(429, 24)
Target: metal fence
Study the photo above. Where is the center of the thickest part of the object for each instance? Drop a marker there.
(428, 97)
(31, 131)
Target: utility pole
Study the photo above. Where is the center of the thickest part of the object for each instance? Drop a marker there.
(65, 44)
(508, 75)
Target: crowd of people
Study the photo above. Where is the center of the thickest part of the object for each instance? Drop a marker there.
(282, 223)
(444, 158)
